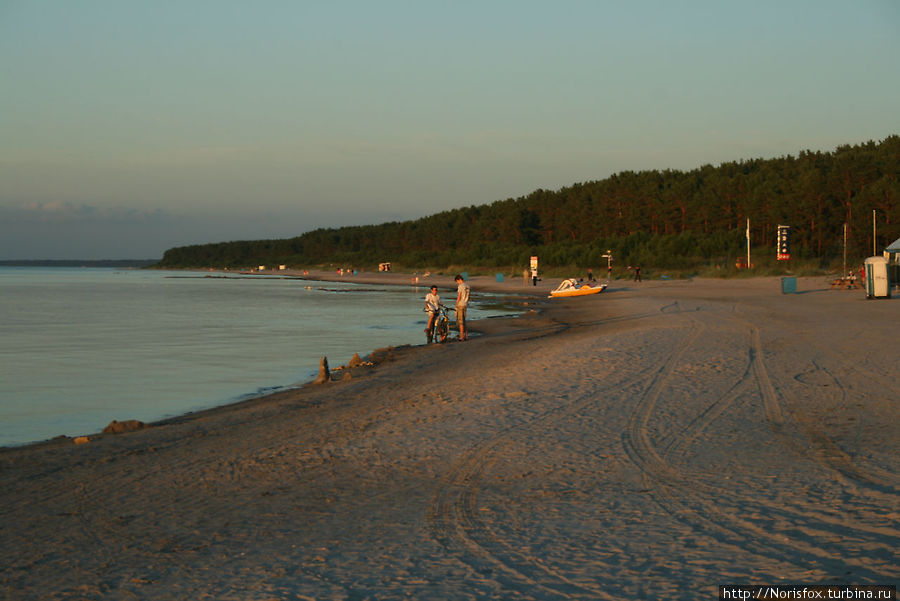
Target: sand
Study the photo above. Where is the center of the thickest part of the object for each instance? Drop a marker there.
(651, 442)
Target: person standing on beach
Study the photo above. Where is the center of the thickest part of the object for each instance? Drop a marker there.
(637, 273)
(432, 304)
(462, 301)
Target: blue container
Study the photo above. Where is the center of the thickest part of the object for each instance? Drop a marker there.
(789, 285)
(499, 277)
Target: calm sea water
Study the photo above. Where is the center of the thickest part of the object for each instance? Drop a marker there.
(81, 347)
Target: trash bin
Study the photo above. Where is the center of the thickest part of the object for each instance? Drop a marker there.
(877, 284)
(789, 285)
(499, 277)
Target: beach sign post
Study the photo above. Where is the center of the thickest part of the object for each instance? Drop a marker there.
(783, 248)
(609, 257)
(783, 243)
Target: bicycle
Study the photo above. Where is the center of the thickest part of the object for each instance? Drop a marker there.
(440, 330)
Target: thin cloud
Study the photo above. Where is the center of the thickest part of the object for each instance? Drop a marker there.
(68, 212)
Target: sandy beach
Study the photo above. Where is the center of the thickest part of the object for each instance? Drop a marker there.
(651, 442)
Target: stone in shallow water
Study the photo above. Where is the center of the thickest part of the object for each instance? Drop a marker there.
(129, 425)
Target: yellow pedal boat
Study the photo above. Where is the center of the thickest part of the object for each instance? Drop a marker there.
(571, 287)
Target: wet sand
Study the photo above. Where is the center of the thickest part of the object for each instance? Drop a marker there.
(654, 441)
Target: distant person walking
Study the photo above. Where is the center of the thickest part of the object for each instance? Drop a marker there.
(462, 302)
(637, 273)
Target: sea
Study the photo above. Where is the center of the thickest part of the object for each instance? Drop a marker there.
(80, 347)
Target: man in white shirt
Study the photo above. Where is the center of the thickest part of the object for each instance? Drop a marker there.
(462, 301)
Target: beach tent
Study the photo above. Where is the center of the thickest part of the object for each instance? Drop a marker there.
(892, 253)
(894, 247)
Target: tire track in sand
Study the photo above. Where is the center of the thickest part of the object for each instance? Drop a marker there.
(456, 521)
(878, 480)
(755, 377)
(454, 515)
(695, 503)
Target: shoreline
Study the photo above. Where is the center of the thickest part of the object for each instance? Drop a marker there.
(663, 436)
(534, 298)
(392, 279)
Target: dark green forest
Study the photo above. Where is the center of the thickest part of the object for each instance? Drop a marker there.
(664, 220)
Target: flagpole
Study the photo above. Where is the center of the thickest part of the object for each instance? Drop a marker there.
(844, 274)
(873, 232)
(748, 243)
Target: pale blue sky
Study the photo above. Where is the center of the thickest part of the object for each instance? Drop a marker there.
(128, 127)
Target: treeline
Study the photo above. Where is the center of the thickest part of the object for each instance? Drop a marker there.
(665, 219)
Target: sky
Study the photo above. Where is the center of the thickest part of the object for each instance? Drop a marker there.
(128, 127)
